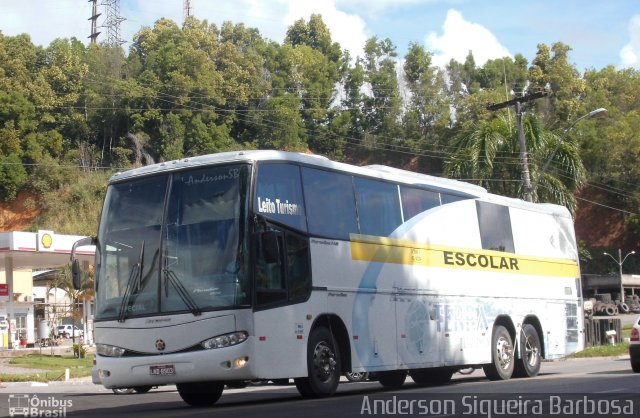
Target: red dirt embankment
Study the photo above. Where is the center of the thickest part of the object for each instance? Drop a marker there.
(19, 214)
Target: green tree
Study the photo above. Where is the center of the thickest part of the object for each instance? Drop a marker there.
(551, 69)
(488, 150)
(382, 105)
(427, 117)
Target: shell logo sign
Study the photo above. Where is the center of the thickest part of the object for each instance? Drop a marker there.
(45, 240)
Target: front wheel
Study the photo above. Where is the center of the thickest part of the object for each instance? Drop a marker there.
(501, 366)
(200, 393)
(528, 365)
(323, 366)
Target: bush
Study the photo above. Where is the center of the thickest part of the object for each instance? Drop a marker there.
(13, 177)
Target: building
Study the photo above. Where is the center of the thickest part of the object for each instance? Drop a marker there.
(20, 254)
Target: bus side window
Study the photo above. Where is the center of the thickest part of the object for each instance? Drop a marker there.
(330, 202)
(378, 207)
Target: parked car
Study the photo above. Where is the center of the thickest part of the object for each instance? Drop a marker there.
(634, 346)
(67, 331)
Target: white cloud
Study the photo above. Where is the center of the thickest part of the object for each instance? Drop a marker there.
(630, 53)
(459, 37)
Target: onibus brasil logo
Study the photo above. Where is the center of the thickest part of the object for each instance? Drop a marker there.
(32, 406)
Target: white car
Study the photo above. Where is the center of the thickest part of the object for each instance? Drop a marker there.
(67, 331)
(634, 346)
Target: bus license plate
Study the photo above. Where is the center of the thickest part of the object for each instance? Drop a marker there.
(164, 370)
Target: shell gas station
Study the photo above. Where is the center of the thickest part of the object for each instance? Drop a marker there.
(30, 308)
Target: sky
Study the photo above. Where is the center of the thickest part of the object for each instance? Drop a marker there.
(600, 33)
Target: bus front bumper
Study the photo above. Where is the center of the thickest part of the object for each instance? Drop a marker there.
(223, 364)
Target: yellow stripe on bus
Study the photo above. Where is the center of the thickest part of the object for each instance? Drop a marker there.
(390, 250)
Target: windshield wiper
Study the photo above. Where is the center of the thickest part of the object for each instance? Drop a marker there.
(134, 282)
(170, 277)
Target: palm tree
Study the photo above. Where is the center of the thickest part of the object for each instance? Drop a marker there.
(64, 282)
(487, 152)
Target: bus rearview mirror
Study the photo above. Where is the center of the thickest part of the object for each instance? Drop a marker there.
(76, 274)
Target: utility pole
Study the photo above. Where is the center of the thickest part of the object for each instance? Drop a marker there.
(524, 158)
(94, 21)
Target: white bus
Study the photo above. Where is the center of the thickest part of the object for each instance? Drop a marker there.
(237, 266)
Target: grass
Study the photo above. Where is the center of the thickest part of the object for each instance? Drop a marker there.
(53, 366)
(603, 351)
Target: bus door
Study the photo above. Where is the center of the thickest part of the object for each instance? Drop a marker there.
(283, 281)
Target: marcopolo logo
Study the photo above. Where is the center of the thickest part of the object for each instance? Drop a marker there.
(33, 406)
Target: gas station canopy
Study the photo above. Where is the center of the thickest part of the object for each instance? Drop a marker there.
(39, 250)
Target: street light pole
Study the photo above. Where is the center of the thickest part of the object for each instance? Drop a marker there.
(620, 261)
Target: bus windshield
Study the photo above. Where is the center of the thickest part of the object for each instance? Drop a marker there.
(173, 243)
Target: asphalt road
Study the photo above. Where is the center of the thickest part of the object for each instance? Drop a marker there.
(560, 389)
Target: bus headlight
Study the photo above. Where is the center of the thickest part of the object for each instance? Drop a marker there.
(225, 340)
(109, 350)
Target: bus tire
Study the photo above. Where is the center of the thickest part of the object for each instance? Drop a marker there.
(502, 355)
(200, 393)
(528, 365)
(323, 366)
(393, 378)
(427, 377)
(356, 376)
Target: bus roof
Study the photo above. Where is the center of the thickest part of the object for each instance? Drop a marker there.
(376, 171)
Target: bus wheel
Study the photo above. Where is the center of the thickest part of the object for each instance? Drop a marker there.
(425, 377)
(142, 389)
(200, 393)
(528, 365)
(323, 366)
(122, 391)
(501, 366)
(393, 378)
(356, 376)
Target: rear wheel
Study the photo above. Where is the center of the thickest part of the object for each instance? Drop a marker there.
(200, 393)
(122, 391)
(528, 365)
(635, 365)
(392, 379)
(501, 366)
(356, 376)
(323, 366)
